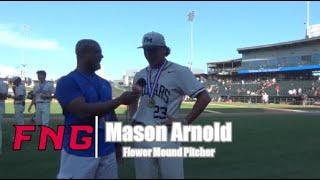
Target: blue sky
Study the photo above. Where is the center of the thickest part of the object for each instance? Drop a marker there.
(219, 29)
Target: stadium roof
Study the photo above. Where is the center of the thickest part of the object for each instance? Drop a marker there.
(283, 44)
(226, 61)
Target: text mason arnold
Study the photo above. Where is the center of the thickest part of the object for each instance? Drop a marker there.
(116, 132)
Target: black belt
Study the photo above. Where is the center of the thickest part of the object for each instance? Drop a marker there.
(22, 103)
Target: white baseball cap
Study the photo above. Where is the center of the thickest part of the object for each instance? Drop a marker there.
(152, 39)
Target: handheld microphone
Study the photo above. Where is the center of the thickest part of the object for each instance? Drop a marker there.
(141, 82)
(138, 87)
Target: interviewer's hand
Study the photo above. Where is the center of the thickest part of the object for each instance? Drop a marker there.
(137, 89)
(128, 97)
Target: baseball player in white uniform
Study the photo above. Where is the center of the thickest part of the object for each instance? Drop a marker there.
(42, 96)
(166, 85)
(19, 91)
(3, 97)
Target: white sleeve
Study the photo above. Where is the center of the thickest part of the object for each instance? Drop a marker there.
(188, 83)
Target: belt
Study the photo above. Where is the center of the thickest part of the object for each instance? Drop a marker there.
(41, 102)
(19, 103)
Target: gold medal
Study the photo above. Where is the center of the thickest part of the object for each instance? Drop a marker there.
(152, 103)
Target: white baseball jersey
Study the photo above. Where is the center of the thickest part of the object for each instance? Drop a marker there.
(20, 90)
(174, 83)
(3, 88)
(45, 88)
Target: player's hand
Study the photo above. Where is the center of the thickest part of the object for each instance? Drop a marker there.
(168, 122)
(119, 153)
(128, 97)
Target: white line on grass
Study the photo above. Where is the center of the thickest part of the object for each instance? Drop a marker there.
(289, 110)
(230, 105)
(214, 112)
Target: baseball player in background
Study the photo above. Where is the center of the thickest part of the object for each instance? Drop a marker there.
(166, 85)
(83, 95)
(19, 97)
(3, 97)
(42, 96)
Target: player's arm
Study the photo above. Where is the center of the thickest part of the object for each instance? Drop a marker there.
(31, 104)
(50, 94)
(203, 99)
(33, 100)
(47, 96)
(190, 86)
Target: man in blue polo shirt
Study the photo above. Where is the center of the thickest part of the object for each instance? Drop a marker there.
(83, 95)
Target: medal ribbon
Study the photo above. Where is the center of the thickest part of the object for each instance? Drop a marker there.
(151, 90)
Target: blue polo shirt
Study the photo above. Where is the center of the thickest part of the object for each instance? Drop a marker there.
(94, 89)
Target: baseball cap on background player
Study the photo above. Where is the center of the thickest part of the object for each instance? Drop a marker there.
(15, 78)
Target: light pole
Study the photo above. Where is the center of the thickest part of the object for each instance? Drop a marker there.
(308, 19)
(25, 29)
(190, 19)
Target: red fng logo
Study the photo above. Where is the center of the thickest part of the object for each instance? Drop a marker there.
(56, 137)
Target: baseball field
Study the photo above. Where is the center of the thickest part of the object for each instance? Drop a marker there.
(269, 141)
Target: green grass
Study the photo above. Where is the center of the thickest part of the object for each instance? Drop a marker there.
(55, 109)
(264, 146)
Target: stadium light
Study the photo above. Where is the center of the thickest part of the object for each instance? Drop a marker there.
(308, 19)
(25, 29)
(191, 16)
